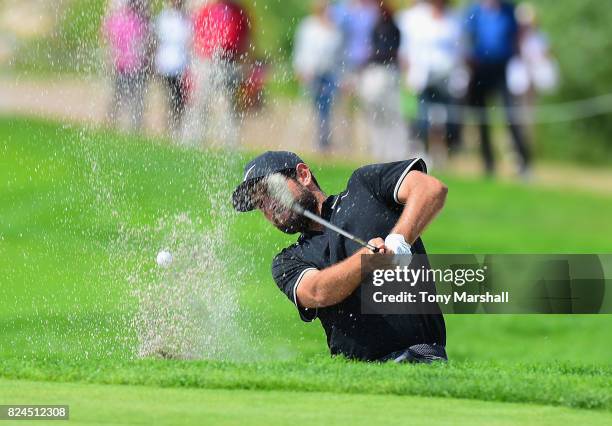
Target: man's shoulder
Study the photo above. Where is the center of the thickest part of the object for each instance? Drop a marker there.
(370, 170)
(361, 176)
(289, 252)
(285, 257)
(364, 171)
(307, 249)
(294, 259)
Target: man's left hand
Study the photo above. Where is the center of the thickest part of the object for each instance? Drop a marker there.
(397, 244)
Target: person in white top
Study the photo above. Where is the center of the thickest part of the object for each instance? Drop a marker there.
(317, 49)
(379, 92)
(431, 54)
(173, 31)
(534, 69)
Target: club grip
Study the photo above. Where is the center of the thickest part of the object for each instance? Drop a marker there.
(374, 249)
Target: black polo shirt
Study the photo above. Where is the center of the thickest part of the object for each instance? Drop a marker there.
(369, 208)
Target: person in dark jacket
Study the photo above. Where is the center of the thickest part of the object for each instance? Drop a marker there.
(492, 31)
(380, 91)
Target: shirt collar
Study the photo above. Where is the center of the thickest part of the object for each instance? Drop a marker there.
(328, 207)
(326, 211)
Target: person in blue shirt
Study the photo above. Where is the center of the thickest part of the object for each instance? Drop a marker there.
(492, 33)
(356, 19)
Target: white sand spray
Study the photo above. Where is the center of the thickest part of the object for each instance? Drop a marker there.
(191, 309)
(278, 189)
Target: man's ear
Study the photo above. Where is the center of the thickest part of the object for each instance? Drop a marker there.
(304, 175)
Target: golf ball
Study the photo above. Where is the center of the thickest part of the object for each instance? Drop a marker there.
(164, 258)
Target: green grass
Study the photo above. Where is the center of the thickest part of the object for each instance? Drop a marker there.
(553, 384)
(95, 404)
(81, 209)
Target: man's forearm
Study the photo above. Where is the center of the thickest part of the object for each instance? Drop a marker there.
(332, 285)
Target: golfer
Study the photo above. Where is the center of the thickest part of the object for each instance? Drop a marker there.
(389, 204)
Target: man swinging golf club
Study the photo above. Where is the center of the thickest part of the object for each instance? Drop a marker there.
(388, 204)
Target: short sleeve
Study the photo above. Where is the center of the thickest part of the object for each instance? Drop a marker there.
(288, 270)
(384, 180)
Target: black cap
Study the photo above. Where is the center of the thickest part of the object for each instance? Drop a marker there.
(266, 164)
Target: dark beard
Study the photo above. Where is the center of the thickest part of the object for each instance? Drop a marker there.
(296, 222)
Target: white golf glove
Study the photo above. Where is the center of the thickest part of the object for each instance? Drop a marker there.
(397, 244)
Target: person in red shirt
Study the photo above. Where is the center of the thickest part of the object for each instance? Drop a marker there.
(222, 31)
(222, 28)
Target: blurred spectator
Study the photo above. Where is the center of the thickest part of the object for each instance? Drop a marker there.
(318, 44)
(173, 31)
(380, 90)
(534, 69)
(127, 32)
(356, 20)
(250, 93)
(432, 57)
(221, 41)
(492, 30)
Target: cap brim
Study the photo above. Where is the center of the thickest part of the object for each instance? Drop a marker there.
(242, 198)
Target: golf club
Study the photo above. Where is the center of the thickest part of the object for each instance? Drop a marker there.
(277, 188)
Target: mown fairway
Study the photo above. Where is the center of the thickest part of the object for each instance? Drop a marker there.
(145, 405)
(80, 210)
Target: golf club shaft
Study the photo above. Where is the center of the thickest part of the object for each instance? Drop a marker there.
(334, 228)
